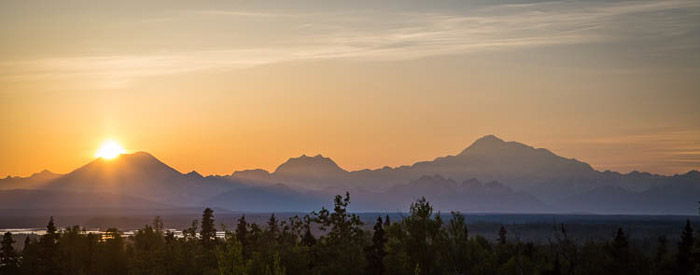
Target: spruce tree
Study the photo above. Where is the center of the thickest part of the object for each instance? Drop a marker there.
(684, 259)
(376, 252)
(424, 237)
(242, 236)
(502, 235)
(458, 240)
(51, 231)
(341, 249)
(208, 232)
(308, 239)
(661, 249)
(273, 227)
(47, 261)
(620, 255)
(8, 255)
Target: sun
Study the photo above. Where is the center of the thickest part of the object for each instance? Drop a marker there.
(110, 149)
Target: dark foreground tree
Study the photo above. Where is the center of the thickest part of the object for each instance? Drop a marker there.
(341, 249)
(208, 233)
(335, 242)
(685, 263)
(376, 251)
(502, 235)
(9, 262)
(620, 255)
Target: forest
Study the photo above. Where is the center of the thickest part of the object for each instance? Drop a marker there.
(335, 241)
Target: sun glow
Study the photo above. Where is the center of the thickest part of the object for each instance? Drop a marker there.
(110, 149)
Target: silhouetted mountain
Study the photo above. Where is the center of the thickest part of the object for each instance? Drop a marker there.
(521, 167)
(310, 172)
(550, 178)
(137, 175)
(491, 175)
(135, 180)
(306, 167)
(254, 176)
(36, 180)
(194, 175)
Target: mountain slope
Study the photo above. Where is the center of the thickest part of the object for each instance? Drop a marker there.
(137, 175)
(36, 180)
(141, 180)
(550, 178)
(491, 175)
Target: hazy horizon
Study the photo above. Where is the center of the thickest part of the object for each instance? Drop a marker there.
(222, 86)
(314, 156)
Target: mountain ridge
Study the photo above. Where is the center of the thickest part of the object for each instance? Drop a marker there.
(489, 174)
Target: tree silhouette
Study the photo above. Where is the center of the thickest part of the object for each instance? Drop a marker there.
(620, 255)
(417, 244)
(8, 256)
(242, 236)
(424, 237)
(47, 260)
(458, 235)
(502, 235)
(376, 252)
(662, 262)
(112, 257)
(340, 250)
(208, 233)
(684, 259)
(308, 239)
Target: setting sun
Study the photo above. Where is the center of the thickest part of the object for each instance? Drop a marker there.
(110, 149)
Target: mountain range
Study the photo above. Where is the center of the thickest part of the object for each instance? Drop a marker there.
(491, 175)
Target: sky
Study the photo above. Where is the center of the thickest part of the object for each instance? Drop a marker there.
(219, 86)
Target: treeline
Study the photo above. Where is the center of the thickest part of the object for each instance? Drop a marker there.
(421, 243)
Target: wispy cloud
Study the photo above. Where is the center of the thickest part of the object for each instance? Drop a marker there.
(373, 36)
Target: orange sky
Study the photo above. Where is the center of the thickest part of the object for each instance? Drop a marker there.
(219, 87)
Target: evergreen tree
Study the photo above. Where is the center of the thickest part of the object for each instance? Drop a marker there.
(111, 256)
(208, 233)
(230, 257)
(242, 236)
(51, 228)
(661, 257)
(620, 255)
(661, 249)
(47, 261)
(147, 252)
(458, 236)
(272, 227)
(684, 259)
(424, 239)
(206, 260)
(419, 244)
(308, 239)
(556, 269)
(340, 251)
(77, 251)
(190, 233)
(8, 256)
(376, 252)
(502, 235)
